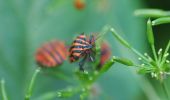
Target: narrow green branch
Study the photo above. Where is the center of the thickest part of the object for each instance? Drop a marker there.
(150, 37)
(123, 61)
(4, 95)
(126, 44)
(162, 20)
(159, 56)
(154, 53)
(165, 53)
(165, 90)
(148, 88)
(30, 88)
(151, 13)
(121, 40)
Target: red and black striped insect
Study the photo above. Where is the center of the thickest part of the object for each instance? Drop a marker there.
(82, 47)
(105, 54)
(51, 54)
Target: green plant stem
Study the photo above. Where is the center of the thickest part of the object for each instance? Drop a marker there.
(162, 20)
(166, 51)
(154, 52)
(4, 95)
(126, 44)
(165, 90)
(30, 88)
(138, 53)
(147, 88)
(155, 13)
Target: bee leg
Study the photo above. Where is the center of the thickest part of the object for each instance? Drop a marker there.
(81, 63)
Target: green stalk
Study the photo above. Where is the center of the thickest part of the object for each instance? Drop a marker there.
(154, 52)
(147, 88)
(162, 20)
(124, 61)
(30, 88)
(166, 51)
(165, 90)
(4, 95)
(151, 13)
(126, 44)
(159, 56)
(151, 38)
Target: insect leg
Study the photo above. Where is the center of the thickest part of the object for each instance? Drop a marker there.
(92, 56)
(82, 62)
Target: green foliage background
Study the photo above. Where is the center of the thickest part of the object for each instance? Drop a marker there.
(26, 24)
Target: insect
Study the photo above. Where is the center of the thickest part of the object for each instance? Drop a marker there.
(104, 55)
(51, 54)
(79, 4)
(82, 47)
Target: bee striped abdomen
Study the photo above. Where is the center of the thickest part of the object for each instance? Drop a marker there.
(51, 54)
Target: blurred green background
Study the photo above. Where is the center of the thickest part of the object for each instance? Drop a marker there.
(26, 24)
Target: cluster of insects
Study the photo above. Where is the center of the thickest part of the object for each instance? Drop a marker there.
(83, 48)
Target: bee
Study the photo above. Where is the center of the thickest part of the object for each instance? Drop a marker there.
(82, 47)
(104, 54)
(51, 54)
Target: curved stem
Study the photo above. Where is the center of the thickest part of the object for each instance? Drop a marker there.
(166, 52)
(148, 89)
(161, 20)
(154, 13)
(165, 90)
(30, 88)
(139, 54)
(4, 95)
(126, 44)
